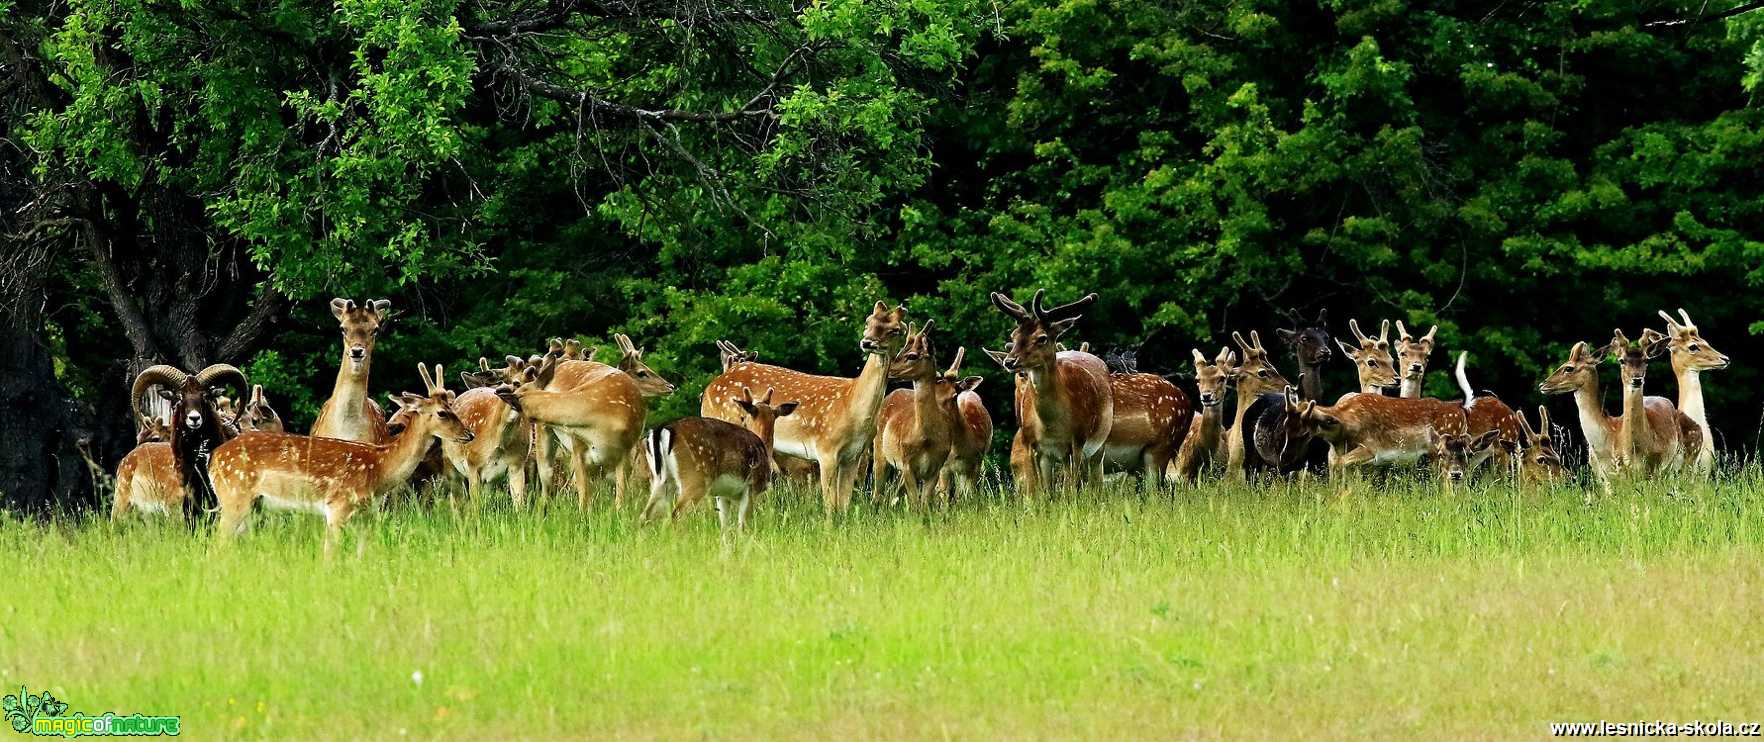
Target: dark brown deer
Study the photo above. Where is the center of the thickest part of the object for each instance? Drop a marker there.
(1310, 347)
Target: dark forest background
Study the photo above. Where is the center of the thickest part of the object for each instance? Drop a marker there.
(189, 181)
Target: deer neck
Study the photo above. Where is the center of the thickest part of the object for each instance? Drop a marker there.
(1635, 419)
(1049, 396)
(1690, 400)
(350, 391)
(1208, 431)
(1234, 451)
(927, 417)
(1410, 388)
(867, 391)
(1311, 385)
(399, 459)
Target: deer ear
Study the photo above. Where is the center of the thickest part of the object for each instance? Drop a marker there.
(339, 307)
(747, 406)
(969, 383)
(1290, 336)
(1483, 441)
(785, 409)
(1347, 349)
(409, 398)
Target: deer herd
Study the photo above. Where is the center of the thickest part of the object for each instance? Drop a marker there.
(1079, 419)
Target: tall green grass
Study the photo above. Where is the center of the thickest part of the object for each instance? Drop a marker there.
(1226, 610)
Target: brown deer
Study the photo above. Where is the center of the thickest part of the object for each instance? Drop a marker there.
(350, 414)
(1152, 416)
(836, 417)
(500, 444)
(259, 416)
(1539, 463)
(1066, 409)
(916, 429)
(1455, 455)
(1654, 435)
(1372, 429)
(973, 434)
(1205, 441)
(329, 476)
(697, 456)
(1255, 377)
(1579, 375)
(1372, 359)
(1691, 356)
(1310, 347)
(1489, 414)
(1412, 355)
(597, 421)
(730, 354)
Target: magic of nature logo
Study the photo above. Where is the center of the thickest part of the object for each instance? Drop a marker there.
(44, 715)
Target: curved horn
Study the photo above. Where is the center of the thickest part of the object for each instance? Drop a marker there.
(168, 376)
(1035, 304)
(428, 383)
(1688, 324)
(1431, 331)
(1671, 324)
(220, 373)
(624, 341)
(1256, 337)
(1237, 337)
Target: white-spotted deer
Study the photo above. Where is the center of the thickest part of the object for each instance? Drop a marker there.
(1255, 377)
(1372, 429)
(1539, 463)
(1067, 408)
(1691, 356)
(1654, 436)
(1412, 355)
(1152, 416)
(916, 429)
(1488, 414)
(597, 421)
(693, 457)
(350, 414)
(500, 444)
(1372, 359)
(835, 420)
(329, 476)
(1205, 441)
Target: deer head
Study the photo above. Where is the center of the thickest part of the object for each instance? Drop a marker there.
(762, 415)
(1309, 343)
(1690, 352)
(1038, 328)
(1633, 357)
(361, 325)
(1412, 352)
(259, 415)
(431, 413)
(649, 383)
(1581, 367)
(1538, 456)
(1257, 374)
(884, 330)
(1372, 359)
(917, 358)
(1453, 452)
(1211, 377)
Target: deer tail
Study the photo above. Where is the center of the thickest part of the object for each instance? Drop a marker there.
(1464, 380)
(660, 444)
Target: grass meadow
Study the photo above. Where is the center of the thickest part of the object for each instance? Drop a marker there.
(1223, 611)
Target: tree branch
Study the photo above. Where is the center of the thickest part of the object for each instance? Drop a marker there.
(1729, 13)
(263, 311)
(596, 106)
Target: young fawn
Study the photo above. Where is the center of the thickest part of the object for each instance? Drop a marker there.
(1692, 355)
(916, 429)
(1372, 359)
(973, 434)
(693, 457)
(1205, 441)
(1412, 355)
(1455, 455)
(329, 476)
(1654, 436)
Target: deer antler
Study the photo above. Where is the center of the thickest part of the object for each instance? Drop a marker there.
(1063, 311)
(1403, 333)
(955, 367)
(1384, 334)
(1354, 325)
(1004, 304)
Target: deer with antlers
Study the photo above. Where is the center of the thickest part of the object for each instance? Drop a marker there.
(1255, 377)
(1539, 462)
(1372, 360)
(917, 427)
(1066, 406)
(693, 457)
(835, 419)
(1654, 436)
(330, 476)
(1691, 356)
(597, 420)
(350, 414)
(1412, 354)
(1205, 440)
(730, 354)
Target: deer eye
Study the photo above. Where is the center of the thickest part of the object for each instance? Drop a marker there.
(912, 356)
(1262, 373)
(1041, 340)
(1692, 347)
(643, 374)
(1371, 364)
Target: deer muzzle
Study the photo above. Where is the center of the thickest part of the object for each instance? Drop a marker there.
(356, 353)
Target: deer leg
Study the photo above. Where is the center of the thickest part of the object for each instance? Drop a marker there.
(659, 488)
(829, 465)
(232, 522)
(579, 470)
(742, 507)
(517, 483)
(542, 455)
(845, 483)
(336, 514)
(878, 472)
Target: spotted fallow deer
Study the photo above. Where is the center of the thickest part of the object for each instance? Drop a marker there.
(1487, 414)
(1371, 359)
(1691, 356)
(730, 354)
(697, 456)
(1654, 436)
(500, 444)
(916, 429)
(973, 434)
(1205, 441)
(1152, 416)
(1066, 409)
(329, 476)
(1373, 429)
(835, 420)
(1412, 355)
(350, 414)
(598, 422)
(1255, 377)
(1454, 455)
(1539, 463)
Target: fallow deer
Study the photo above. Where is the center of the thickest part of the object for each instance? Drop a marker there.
(597, 421)
(350, 414)
(730, 354)
(1066, 409)
(174, 475)
(1654, 435)
(836, 417)
(329, 476)
(1254, 378)
(259, 416)
(1152, 416)
(1412, 355)
(1691, 356)
(1579, 375)
(1205, 441)
(1310, 347)
(916, 429)
(1365, 429)
(697, 456)
(1489, 414)
(1539, 463)
(1455, 455)
(973, 434)
(501, 441)
(1371, 359)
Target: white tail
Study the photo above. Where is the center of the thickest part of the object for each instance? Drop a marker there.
(1464, 380)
